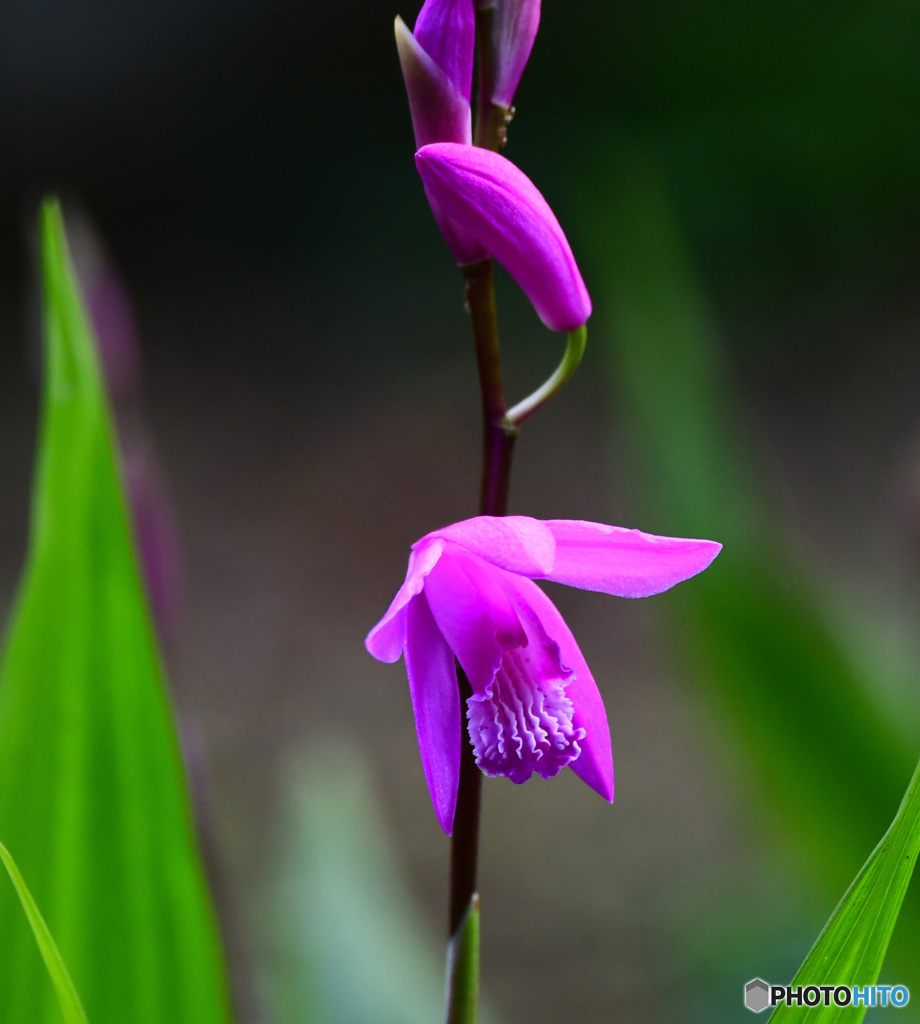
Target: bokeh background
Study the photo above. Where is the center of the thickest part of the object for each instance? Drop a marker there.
(741, 185)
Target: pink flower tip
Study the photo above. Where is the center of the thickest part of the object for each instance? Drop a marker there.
(469, 597)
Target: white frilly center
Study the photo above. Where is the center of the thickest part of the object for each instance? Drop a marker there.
(524, 723)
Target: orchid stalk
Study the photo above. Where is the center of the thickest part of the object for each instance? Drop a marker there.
(499, 686)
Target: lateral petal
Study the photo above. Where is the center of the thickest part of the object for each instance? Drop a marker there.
(435, 696)
(388, 638)
(627, 563)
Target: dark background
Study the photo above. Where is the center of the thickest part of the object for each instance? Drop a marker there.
(311, 391)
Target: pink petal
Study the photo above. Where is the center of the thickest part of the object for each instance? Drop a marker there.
(595, 763)
(446, 30)
(628, 563)
(516, 543)
(435, 696)
(387, 639)
(439, 111)
(498, 205)
(473, 614)
(516, 24)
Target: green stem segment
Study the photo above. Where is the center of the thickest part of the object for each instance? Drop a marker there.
(574, 350)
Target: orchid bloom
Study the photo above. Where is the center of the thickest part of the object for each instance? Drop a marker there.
(493, 202)
(469, 596)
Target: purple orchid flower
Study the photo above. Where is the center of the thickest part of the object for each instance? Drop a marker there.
(469, 595)
(491, 201)
(437, 66)
(513, 31)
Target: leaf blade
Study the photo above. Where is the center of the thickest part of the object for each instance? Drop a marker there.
(94, 799)
(852, 945)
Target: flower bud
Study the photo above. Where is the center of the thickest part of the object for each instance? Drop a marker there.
(437, 67)
(439, 111)
(446, 31)
(485, 196)
(514, 28)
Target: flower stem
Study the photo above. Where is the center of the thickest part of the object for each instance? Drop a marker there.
(498, 445)
(498, 434)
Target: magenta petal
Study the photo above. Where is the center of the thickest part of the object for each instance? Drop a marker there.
(439, 111)
(516, 543)
(435, 696)
(515, 28)
(473, 614)
(627, 563)
(595, 763)
(488, 198)
(446, 30)
(388, 638)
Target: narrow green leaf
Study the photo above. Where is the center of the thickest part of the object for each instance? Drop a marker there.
(463, 968)
(93, 800)
(71, 1009)
(853, 944)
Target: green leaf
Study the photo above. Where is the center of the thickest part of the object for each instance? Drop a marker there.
(71, 1008)
(852, 946)
(93, 801)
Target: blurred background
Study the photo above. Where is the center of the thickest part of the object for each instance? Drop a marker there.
(741, 186)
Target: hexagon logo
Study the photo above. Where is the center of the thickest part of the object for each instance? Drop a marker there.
(757, 995)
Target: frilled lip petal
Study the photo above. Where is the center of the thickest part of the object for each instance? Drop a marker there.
(497, 204)
(386, 640)
(515, 28)
(446, 30)
(595, 763)
(435, 696)
(473, 613)
(626, 563)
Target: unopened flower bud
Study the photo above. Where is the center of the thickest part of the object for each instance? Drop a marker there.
(485, 196)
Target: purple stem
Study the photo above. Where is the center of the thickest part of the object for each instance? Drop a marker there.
(498, 446)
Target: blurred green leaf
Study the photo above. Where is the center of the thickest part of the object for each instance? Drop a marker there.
(348, 945)
(852, 946)
(93, 803)
(809, 725)
(71, 1010)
